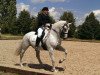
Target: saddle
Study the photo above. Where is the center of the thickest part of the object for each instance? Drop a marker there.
(43, 44)
(43, 39)
(44, 36)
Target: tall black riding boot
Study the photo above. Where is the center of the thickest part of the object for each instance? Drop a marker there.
(37, 43)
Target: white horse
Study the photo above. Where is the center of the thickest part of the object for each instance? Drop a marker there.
(51, 40)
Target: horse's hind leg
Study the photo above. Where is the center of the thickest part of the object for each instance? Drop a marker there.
(21, 56)
(24, 48)
(38, 56)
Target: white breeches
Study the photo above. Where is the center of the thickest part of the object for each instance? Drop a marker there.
(40, 30)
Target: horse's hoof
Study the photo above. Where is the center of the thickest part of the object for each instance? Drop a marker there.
(60, 61)
(21, 65)
(54, 70)
(26, 65)
(64, 68)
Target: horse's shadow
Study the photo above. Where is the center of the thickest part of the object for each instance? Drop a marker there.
(43, 66)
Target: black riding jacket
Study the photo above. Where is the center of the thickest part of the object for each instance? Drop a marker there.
(43, 19)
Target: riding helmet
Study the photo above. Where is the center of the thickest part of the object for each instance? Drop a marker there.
(45, 8)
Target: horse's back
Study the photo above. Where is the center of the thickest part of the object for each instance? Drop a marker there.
(29, 38)
(29, 35)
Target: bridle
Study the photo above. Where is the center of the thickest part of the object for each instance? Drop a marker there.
(57, 32)
(64, 29)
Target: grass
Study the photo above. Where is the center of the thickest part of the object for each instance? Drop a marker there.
(81, 40)
(10, 37)
(17, 37)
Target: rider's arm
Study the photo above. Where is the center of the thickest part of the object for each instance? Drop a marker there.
(40, 20)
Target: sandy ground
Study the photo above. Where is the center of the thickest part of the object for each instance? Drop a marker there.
(83, 57)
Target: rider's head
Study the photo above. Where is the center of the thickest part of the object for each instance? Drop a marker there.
(45, 10)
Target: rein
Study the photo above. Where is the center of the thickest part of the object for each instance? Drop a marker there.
(55, 31)
(46, 37)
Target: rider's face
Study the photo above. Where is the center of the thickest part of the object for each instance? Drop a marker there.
(46, 12)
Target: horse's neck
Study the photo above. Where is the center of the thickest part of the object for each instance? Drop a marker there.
(56, 28)
(56, 33)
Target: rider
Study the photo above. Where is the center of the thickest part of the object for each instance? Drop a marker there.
(43, 19)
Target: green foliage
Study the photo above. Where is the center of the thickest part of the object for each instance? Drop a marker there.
(7, 15)
(90, 29)
(23, 24)
(68, 16)
(52, 19)
(33, 23)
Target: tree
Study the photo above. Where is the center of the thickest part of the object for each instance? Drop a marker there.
(33, 23)
(52, 19)
(12, 15)
(7, 15)
(90, 29)
(23, 22)
(68, 16)
(76, 31)
(3, 15)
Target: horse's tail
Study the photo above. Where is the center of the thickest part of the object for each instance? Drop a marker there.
(18, 50)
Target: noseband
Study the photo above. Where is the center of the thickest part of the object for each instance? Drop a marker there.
(64, 29)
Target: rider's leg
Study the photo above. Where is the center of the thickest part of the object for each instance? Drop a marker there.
(40, 30)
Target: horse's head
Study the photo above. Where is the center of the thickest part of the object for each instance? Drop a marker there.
(64, 30)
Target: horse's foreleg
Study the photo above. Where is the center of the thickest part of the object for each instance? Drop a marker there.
(52, 59)
(65, 51)
(38, 56)
(64, 59)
